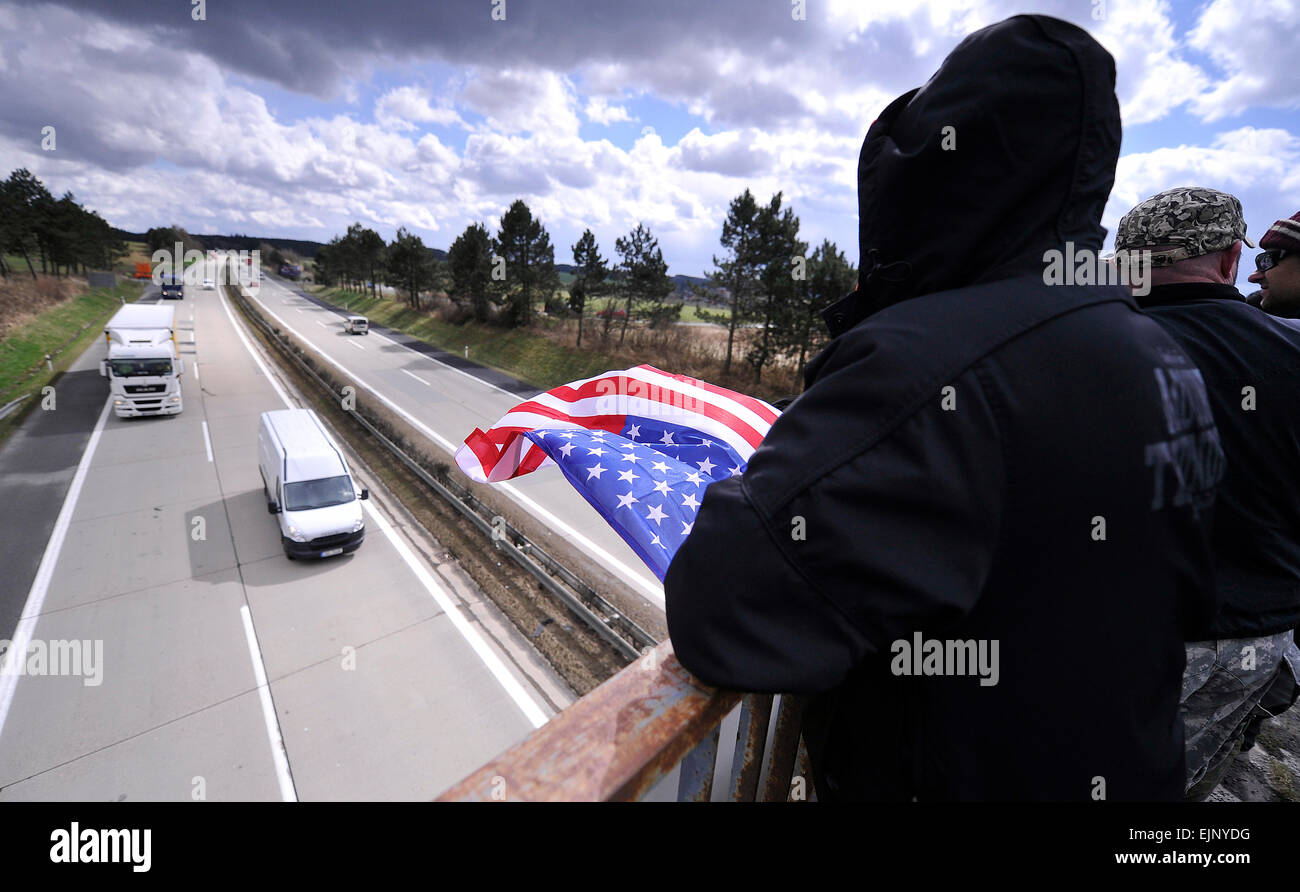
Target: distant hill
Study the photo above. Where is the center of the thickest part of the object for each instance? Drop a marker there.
(301, 247)
(683, 283)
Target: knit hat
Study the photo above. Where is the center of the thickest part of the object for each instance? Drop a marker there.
(1284, 235)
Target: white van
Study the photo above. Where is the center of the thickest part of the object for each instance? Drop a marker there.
(308, 486)
(357, 325)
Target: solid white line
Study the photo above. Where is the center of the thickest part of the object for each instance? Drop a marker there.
(225, 305)
(207, 441)
(652, 590)
(22, 636)
(418, 378)
(516, 691)
(512, 687)
(278, 755)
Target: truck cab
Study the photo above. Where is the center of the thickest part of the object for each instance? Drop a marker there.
(143, 366)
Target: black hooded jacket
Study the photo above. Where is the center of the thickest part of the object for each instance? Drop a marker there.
(979, 456)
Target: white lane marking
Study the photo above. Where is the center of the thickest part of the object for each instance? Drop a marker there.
(287, 791)
(196, 370)
(653, 590)
(418, 378)
(207, 441)
(22, 636)
(375, 334)
(284, 397)
(514, 396)
(516, 691)
(321, 324)
(355, 344)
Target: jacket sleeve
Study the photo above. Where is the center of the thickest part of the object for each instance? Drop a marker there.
(781, 590)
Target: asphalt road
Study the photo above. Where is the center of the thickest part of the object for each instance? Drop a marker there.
(446, 397)
(210, 665)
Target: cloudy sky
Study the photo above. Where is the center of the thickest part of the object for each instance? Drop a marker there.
(294, 117)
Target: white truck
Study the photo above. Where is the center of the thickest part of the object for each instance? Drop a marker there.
(143, 365)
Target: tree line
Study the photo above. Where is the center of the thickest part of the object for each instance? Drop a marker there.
(765, 276)
(62, 235)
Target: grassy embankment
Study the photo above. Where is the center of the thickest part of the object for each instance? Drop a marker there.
(543, 356)
(63, 329)
(524, 354)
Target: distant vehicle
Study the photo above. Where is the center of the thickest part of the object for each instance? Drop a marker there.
(357, 325)
(261, 275)
(173, 290)
(617, 314)
(308, 486)
(143, 271)
(209, 285)
(290, 270)
(143, 366)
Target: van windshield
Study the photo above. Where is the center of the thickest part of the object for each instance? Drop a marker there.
(323, 493)
(140, 368)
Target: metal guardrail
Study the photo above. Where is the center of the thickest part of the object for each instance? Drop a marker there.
(625, 737)
(596, 612)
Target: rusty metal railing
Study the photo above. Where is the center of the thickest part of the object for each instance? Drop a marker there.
(627, 736)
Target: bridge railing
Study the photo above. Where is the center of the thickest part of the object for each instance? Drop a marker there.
(628, 735)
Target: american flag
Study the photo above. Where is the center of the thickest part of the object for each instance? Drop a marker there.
(640, 445)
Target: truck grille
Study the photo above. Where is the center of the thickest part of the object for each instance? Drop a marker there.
(146, 388)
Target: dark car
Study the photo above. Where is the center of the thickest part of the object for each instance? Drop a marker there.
(173, 290)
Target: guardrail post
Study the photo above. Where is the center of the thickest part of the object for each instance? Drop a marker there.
(751, 735)
(695, 779)
(785, 745)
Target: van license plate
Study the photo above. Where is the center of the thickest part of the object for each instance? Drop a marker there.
(331, 551)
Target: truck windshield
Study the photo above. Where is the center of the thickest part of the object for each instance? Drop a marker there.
(139, 368)
(322, 493)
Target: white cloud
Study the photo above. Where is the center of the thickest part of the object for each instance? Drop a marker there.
(599, 111)
(1254, 42)
(403, 107)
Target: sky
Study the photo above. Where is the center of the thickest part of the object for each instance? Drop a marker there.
(296, 118)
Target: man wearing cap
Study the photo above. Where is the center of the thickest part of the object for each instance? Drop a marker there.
(1277, 269)
(1249, 361)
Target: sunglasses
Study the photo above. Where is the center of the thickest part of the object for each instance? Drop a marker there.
(1269, 259)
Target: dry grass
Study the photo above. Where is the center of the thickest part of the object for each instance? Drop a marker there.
(22, 300)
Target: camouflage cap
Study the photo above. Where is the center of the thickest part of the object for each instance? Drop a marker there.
(1189, 220)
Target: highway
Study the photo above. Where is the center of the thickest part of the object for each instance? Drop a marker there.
(446, 403)
(213, 667)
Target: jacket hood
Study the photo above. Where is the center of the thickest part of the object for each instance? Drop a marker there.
(1009, 150)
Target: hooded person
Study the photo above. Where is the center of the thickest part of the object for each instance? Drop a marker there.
(977, 537)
